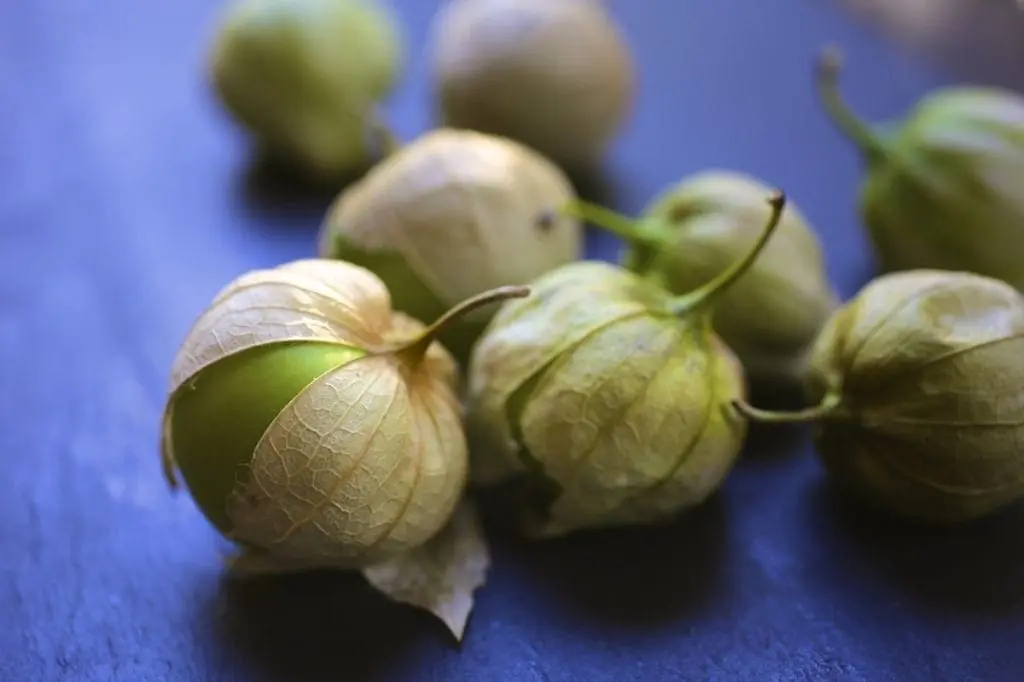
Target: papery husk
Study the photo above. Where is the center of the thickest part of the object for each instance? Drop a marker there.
(364, 465)
(696, 228)
(450, 215)
(919, 382)
(942, 185)
(608, 397)
(320, 505)
(557, 76)
(305, 78)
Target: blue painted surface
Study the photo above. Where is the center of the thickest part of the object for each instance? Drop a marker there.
(124, 207)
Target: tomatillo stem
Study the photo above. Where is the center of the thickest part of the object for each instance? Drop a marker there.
(827, 406)
(412, 353)
(830, 63)
(628, 229)
(703, 297)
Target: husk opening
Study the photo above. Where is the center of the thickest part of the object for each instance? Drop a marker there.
(212, 480)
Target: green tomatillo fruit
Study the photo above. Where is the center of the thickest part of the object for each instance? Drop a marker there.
(942, 187)
(605, 399)
(305, 77)
(556, 75)
(695, 229)
(919, 391)
(314, 426)
(450, 215)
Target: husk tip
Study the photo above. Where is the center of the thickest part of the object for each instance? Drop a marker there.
(830, 61)
(381, 136)
(545, 219)
(168, 465)
(512, 291)
(170, 478)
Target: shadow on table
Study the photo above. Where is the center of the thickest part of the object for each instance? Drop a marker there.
(771, 442)
(321, 626)
(630, 578)
(974, 569)
(603, 186)
(774, 441)
(284, 198)
(595, 184)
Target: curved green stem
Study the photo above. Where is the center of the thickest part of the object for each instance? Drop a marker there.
(611, 221)
(413, 351)
(830, 63)
(702, 298)
(644, 244)
(826, 407)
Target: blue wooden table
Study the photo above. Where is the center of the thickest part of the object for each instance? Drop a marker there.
(127, 200)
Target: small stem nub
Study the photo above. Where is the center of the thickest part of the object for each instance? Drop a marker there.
(546, 220)
(383, 137)
(618, 224)
(830, 63)
(413, 351)
(704, 296)
(827, 406)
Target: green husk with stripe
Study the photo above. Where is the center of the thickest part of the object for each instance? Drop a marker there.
(696, 228)
(606, 397)
(941, 185)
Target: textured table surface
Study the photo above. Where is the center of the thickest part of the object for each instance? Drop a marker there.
(127, 200)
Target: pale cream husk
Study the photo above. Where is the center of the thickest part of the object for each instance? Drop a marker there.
(556, 75)
(461, 208)
(370, 459)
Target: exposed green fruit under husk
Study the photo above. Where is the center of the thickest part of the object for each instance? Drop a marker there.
(920, 391)
(555, 75)
(606, 398)
(312, 424)
(698, 227)
(246, 390)
(305, 77)
(942, 187)
(450, 215)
